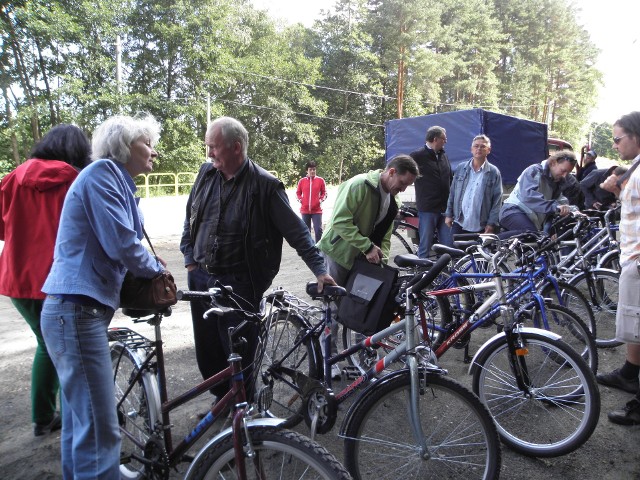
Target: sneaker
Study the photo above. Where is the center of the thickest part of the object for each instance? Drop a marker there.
(616, 380)
(627, 415)
(40, 429)
(336, 373)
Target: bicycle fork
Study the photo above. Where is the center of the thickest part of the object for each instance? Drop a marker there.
(517, 351)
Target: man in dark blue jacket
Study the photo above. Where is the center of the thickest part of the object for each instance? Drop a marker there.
(432, 189)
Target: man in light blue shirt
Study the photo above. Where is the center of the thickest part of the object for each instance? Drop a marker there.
(476, 192)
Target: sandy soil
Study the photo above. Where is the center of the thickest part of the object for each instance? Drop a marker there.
(611, 453)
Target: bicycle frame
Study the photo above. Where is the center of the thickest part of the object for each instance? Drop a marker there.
(154, 362)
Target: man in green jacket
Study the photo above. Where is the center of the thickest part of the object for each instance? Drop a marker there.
(362, 220)
(363, 215)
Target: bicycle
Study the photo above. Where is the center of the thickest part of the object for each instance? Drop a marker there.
(540, 392)
(447, 313)
(250, 448)
(407, 221)
(452, 434)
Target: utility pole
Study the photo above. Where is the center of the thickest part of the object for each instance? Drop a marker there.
(119, 70)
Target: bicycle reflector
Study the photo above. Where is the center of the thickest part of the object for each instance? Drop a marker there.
(522, 351)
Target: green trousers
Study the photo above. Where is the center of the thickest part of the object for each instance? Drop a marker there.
(44, 379)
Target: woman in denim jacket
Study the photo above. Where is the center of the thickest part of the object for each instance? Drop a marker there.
(98, 241)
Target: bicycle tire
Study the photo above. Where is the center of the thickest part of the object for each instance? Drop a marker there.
(564, 406)
(463, 441)
(409, 248)
(573, 299)
(282, 454)
(137, 414)
(602, 293)
(284, 331)
(610, 261)
(572, 329)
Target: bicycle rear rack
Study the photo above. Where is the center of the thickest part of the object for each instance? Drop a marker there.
(129, 338)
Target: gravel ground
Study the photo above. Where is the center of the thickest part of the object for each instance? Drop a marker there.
(611, 452)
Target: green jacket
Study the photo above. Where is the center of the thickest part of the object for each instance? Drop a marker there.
(352, 224)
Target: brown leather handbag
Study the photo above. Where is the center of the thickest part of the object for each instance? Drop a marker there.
(155, 293)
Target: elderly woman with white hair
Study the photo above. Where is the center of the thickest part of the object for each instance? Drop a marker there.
(98, 240)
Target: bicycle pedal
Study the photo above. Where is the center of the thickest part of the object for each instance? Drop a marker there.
(351, 372)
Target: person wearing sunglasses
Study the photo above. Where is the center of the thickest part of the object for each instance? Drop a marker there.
(626, 141)
(538, 194)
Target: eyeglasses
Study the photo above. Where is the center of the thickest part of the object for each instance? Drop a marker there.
(616, 140)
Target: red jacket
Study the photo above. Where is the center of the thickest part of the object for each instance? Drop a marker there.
(31, 199)
(310, 193)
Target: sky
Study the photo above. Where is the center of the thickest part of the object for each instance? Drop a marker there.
(614, 27)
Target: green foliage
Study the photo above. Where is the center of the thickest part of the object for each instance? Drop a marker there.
(601, 135)
(318, 94)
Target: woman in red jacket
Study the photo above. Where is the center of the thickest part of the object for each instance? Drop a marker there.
(311, 193)
(31, 200)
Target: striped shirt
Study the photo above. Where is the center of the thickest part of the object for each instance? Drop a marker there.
(630, 218)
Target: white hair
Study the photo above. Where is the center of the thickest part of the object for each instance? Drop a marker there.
(113, 138)
(232, 131)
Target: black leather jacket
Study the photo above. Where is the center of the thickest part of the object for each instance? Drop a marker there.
(268, 220)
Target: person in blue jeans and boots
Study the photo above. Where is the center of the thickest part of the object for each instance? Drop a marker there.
(432, 190)
(98, 240)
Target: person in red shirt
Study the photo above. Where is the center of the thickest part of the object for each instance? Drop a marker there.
(31, 199)
(311, 193)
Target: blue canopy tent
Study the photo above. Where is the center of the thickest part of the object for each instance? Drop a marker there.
(515, 143)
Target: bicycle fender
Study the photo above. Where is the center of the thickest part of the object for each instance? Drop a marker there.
(580, 275)
(251, 424)
(367, 391)
(482, 351)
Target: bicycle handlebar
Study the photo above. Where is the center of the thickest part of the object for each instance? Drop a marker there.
(188, 295)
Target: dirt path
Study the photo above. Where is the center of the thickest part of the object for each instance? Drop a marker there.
(611, 453)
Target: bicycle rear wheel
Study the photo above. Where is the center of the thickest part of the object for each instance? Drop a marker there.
(279, 377)
(558, 413)
(279, 454)
(600, 287)
(572, 329)
(461, 438)
(137, 412)
(573, 299)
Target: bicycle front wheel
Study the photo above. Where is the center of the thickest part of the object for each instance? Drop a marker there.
(461, 439)
(279, 454)
(137, 411)
(560, 409)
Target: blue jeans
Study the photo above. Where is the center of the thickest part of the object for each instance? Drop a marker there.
(76, 337)
(514, 222)
(316, 218)
(430, 223)
(210, 335)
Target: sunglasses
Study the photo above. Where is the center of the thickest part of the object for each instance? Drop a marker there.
(617, 140)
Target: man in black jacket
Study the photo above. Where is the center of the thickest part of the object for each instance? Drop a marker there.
(432, 190)
(596, 197)
(237, 216)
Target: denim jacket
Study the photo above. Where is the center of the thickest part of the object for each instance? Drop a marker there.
(491, 196)
(99, 236)
(536, 194)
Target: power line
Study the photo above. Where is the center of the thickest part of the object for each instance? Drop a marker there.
(385, 97)
(262, 107)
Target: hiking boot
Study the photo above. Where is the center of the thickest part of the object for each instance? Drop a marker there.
(616, 380)
(627, 415)
(40, 429)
